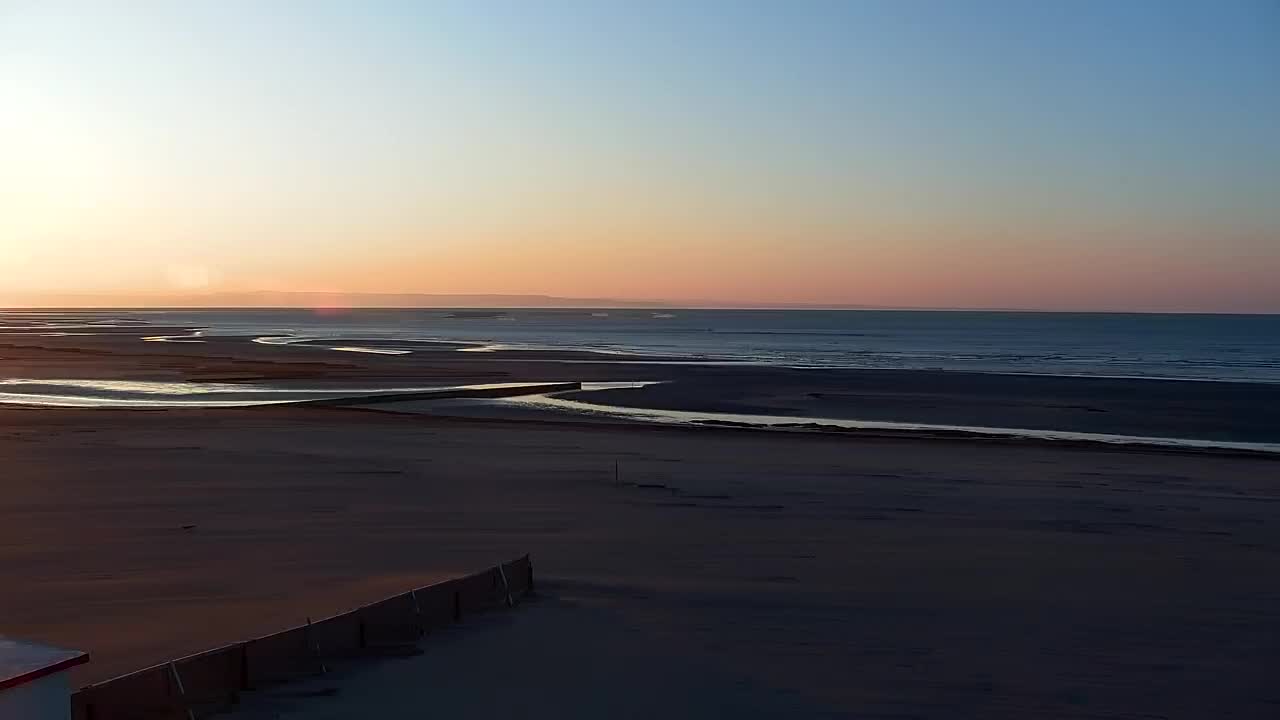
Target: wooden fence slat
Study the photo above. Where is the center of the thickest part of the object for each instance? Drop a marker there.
(214, 679)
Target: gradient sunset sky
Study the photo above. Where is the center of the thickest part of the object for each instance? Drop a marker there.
(1088, 155)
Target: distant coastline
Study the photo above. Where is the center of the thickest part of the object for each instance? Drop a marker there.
(279, 300)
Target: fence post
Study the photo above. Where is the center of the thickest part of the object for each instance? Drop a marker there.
(417, 613)
(313, 645)
(182, 691)
(506, 587)
(244, 666)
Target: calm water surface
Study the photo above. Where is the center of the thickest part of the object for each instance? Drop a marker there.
(1203, 347)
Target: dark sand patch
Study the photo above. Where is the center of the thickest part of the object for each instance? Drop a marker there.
(1220, 411)
(845, 576)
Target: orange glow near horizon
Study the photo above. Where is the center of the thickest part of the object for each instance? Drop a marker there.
(148, 158)
(744, 273)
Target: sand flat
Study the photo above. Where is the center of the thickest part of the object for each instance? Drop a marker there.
(849, 573)
(820, 574)
(1215, 411)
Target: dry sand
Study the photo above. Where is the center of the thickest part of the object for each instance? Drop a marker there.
(725, 571)
(877, 577)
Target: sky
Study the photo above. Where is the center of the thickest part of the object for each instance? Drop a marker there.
(1063, 156)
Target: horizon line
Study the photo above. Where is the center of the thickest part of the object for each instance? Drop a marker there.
(639, 307)
(327, 300)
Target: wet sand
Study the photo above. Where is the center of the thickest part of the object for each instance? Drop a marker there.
(769, 573)
(1217, 411)
(890, 577)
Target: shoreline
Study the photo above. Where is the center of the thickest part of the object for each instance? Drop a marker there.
(547, 402)
(478, 415)
(448, 414)
(860, 427)
(1159, 409)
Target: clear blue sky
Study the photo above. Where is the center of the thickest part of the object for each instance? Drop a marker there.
(1095, 154)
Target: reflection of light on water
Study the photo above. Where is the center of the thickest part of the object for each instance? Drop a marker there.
(130, 393)
(556, 401)
(535, 348)
(279, 339)
(76, 393)
(467, 346)
(37, 327)
(64, 401)
(145, 387)
(369, 350)
(193, 337)
(305, 341)
(49, 322)
(321, 343)
(592, 386)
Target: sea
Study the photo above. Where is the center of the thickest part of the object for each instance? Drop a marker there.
(1204, 348)
(1187, 346)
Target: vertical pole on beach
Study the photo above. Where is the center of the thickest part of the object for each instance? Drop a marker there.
(506, 587)
(313, 645)
(417, 614)
(182, 691)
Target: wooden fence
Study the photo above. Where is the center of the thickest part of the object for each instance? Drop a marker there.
(209, 682)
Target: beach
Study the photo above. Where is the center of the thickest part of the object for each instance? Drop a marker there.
(886, 574)
(878, 360)
(1219, 411)
(864, 574)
